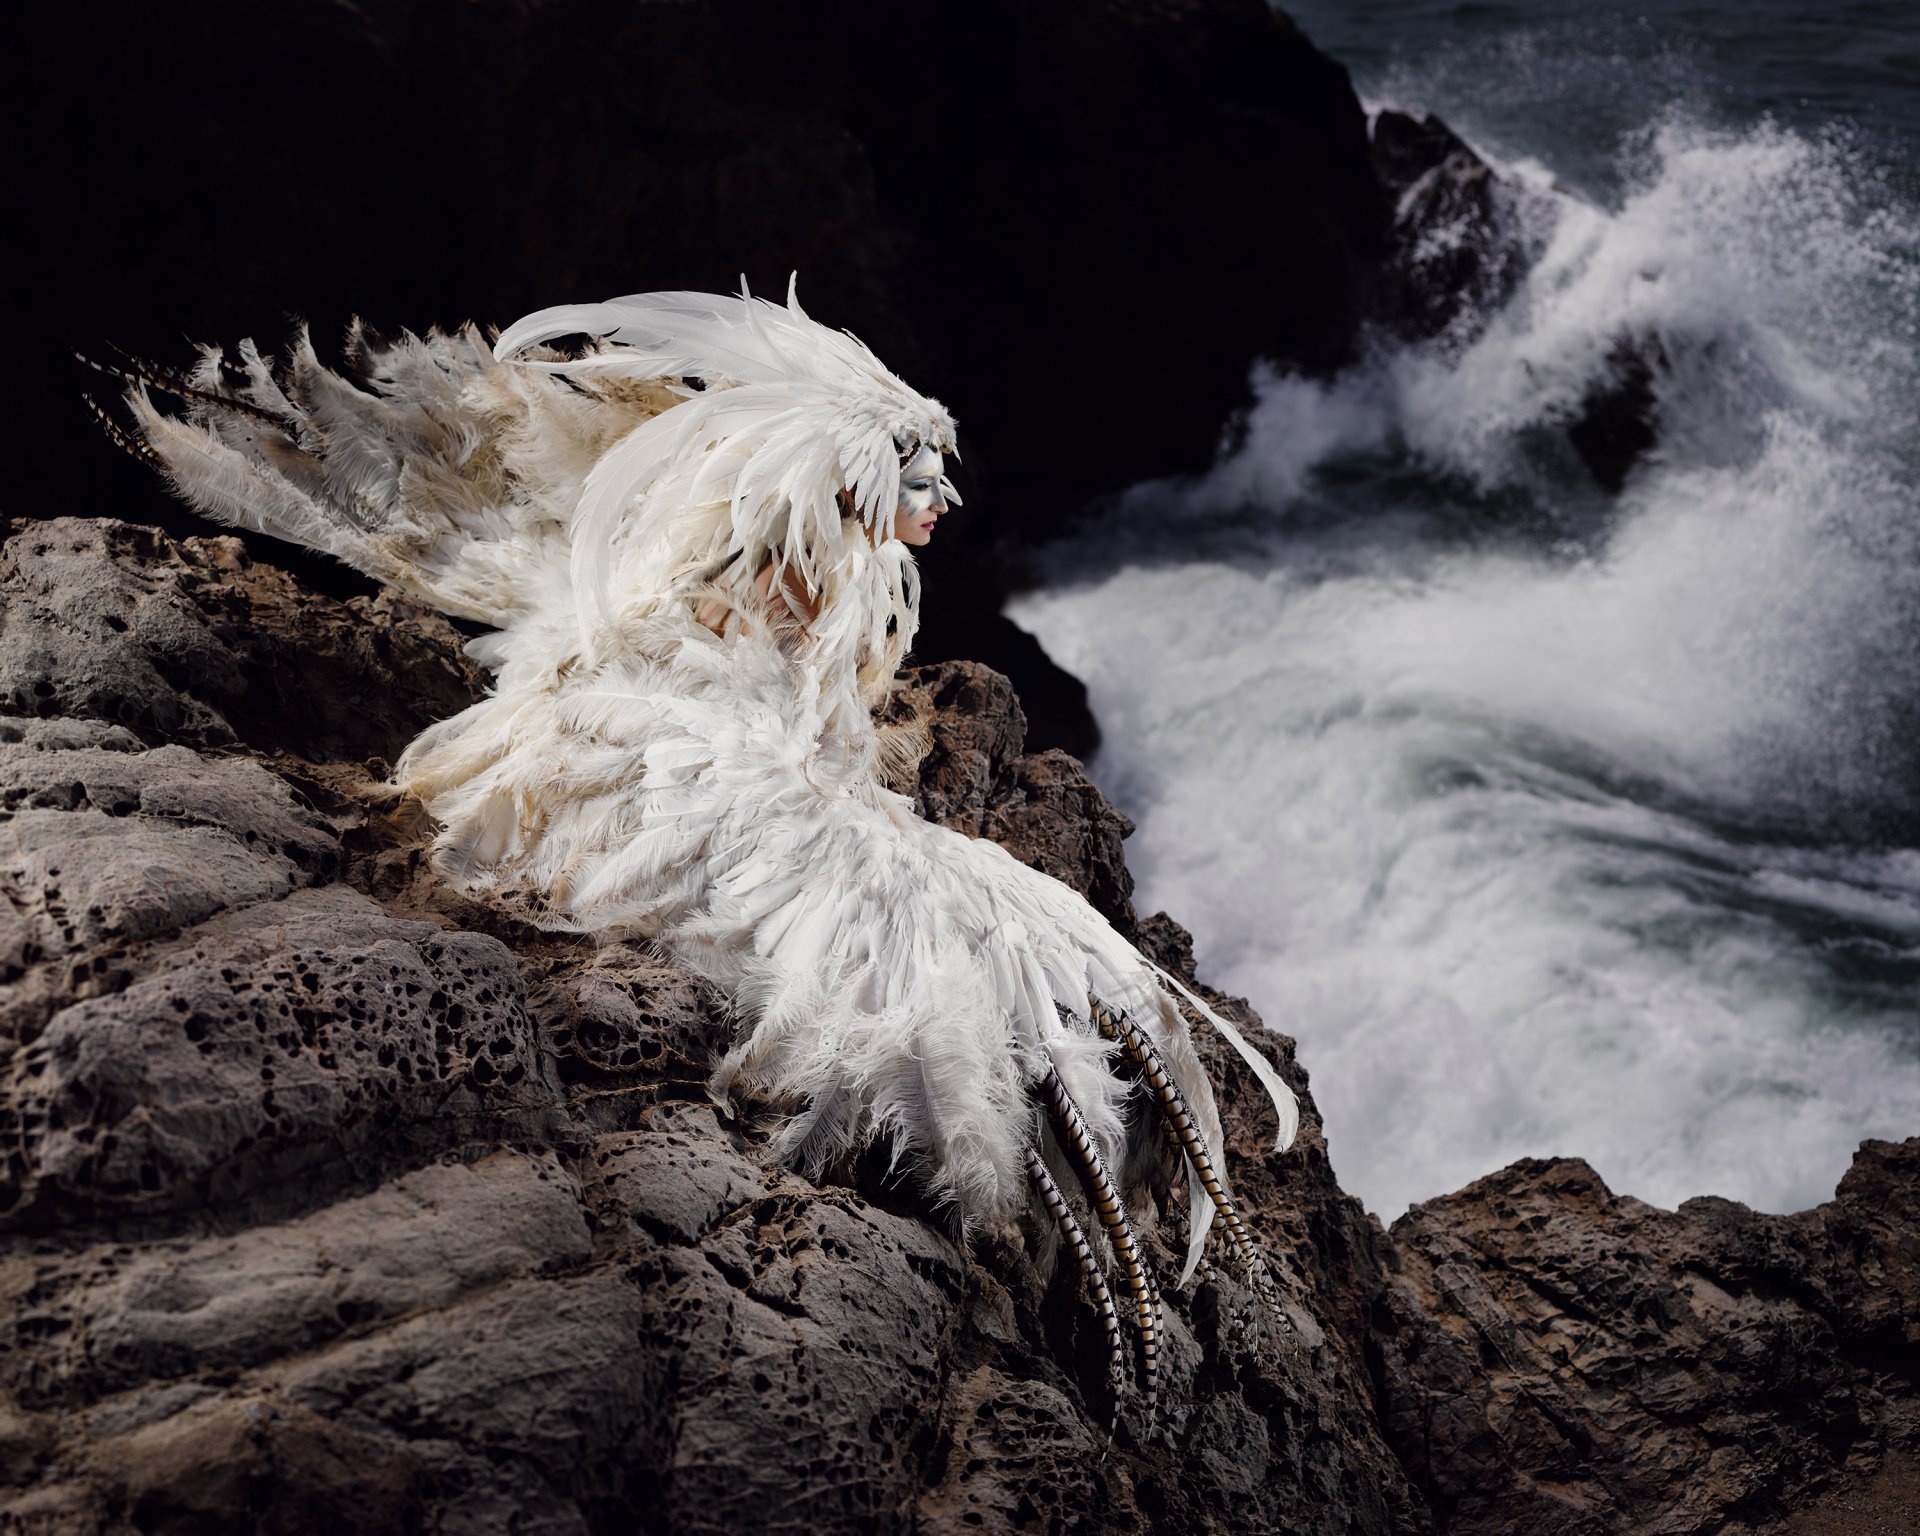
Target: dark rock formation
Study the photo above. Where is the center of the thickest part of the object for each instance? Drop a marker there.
(1458, 248)
(119, 623)
(1040, 806)
(1031, 211)
(1553, 1357)
(1617, 422)
(1461, 246)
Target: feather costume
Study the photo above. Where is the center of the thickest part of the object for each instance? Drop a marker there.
(717, 788)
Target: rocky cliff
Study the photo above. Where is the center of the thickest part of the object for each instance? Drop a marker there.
(335, 1202)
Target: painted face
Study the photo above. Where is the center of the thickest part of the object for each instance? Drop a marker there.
(924, 495)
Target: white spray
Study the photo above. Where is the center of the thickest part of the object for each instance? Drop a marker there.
(1565, 836)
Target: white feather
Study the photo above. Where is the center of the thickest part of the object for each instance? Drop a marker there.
(718, 794)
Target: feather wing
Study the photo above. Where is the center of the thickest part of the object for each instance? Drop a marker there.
(425, 462)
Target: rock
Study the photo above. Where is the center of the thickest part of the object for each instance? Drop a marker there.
(807, 1341)
(193, 642)
(107, 845)
(677, 1179)
(119, 1315)
(264, 1047)
(955, 624)
(1617, 422)
(1554, 1356)
(1459, 246)
(1040, 806)
(624, 1012)
(514, 1409)
(1878, 1501)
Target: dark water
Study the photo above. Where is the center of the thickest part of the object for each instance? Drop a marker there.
(1553, 822)
(1568, 82)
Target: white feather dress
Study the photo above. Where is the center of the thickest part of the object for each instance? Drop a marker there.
(634, 773)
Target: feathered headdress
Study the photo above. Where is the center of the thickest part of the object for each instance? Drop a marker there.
(782, 417)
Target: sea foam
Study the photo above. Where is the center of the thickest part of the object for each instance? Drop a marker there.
(1552, 823)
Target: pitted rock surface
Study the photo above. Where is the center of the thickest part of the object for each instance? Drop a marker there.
(1556, 1356)
(107, 842)
(266, 1046)
(336, 1202)
(128, 1314)
(108, 621)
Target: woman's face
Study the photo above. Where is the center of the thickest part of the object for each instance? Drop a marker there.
(923, 497)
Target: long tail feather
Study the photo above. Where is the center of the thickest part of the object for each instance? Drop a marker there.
(1285, 1107)
(171, 381)
(1070, 1128)
(1116, 1026)
(126, 442)
(1076, 1239)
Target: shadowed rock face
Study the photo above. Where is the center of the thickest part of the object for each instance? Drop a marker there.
(1078, 223)
(334, 1201)
(1458, 252)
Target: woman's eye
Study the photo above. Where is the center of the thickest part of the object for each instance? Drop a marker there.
(918, 485)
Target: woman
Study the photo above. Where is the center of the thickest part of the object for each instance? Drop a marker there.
(691, 540)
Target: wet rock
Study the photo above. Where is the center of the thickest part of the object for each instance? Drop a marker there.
(1459, 248)
(1617, 421)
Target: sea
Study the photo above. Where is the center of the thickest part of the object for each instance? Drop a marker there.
(1554, 822)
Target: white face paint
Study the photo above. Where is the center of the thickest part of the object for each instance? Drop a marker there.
(924, 495)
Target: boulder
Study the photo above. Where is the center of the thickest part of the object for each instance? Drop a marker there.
(1616, 423)
(1553, 1356)
(1459, 249)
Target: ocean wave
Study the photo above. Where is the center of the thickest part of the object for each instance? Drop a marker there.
(1551, 821)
